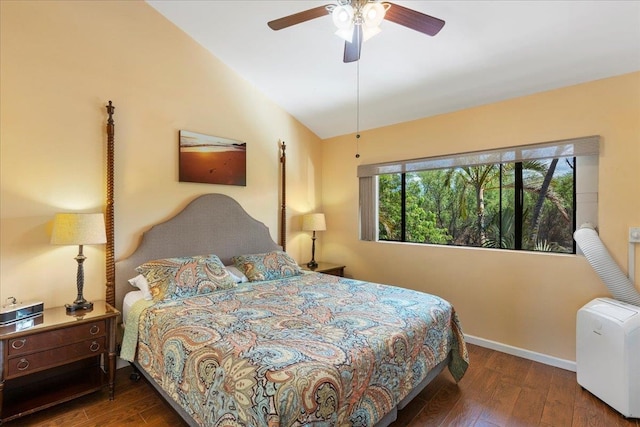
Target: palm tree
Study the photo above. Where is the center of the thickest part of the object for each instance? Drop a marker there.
(477, 178)
(546, 193)
(485, 177)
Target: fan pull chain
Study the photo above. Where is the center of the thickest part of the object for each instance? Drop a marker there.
(358, 104)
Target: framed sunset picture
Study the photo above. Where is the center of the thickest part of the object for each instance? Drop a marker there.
(212, 159)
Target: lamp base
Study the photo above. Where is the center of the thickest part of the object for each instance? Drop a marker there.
(312, 264)
(79, 305)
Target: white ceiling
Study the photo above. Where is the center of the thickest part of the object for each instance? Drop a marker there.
(487, 51)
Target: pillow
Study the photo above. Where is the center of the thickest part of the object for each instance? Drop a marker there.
(180, 277)
(237, 275)
(268, 266)
(141, 283)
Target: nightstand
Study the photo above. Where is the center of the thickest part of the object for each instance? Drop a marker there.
(61, 357)
(326, 268)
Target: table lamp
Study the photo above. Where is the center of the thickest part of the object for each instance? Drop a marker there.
(313, 222)
(79, 229)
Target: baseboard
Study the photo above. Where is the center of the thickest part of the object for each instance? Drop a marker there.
(521, 352)
(121, 363)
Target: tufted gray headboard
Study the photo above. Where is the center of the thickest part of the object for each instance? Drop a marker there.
(210, 224)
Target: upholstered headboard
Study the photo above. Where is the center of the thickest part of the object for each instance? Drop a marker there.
(210, 224)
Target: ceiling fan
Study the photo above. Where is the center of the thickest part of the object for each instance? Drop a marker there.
(358, 20)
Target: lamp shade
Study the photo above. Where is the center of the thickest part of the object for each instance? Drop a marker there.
(343, 16)
(78, 229)
(314, 222)
(373, 14)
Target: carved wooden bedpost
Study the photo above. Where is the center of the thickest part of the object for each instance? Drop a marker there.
(109, 216)
(283, 207)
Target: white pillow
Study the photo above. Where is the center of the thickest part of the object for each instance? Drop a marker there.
(237, 275)
(141, 283)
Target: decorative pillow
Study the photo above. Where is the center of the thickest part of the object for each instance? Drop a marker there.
(180, 277)
(237, 275)
(268, 266)
(141, 283)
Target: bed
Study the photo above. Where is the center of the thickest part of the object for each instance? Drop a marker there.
(231, 332)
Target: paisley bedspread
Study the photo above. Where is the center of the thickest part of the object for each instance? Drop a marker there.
(307, 350)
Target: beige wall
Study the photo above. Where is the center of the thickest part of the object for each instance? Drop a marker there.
(522, 299)
(60, 63)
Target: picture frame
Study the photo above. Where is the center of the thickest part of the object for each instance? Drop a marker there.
(212, 159)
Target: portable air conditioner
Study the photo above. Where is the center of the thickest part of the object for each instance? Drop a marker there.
(608, 353)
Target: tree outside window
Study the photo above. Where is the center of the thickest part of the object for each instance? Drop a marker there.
(525, 205)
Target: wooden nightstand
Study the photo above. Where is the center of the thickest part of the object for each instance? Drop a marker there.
(58, 359)
(326, 268)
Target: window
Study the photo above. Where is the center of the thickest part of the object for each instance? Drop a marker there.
(522, 198)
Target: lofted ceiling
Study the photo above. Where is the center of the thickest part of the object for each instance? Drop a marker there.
(488, 51)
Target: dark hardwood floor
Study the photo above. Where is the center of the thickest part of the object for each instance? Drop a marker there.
(503, 390)
(498, 390)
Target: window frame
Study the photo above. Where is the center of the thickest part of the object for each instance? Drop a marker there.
(584, 150)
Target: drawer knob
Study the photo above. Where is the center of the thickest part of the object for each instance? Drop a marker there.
(18, 344)
(94, 329)
(94, 346)
(22, 364)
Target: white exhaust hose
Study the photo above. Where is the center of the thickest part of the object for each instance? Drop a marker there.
(618, 283)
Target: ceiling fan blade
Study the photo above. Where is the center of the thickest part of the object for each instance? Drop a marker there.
(297, 18)
(352, 49)
(413, 19)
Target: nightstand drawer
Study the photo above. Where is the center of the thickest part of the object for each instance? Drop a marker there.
(22, 365)
(326, 268)
(335, 271)
(53, 339)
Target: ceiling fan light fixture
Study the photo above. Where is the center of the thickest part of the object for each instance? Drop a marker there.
(345, 33)
(368, 32)
(373, 13)
(343, 16)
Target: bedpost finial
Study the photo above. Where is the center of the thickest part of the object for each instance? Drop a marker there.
(110, 110)
(283, 146)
